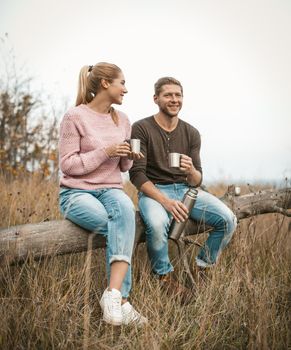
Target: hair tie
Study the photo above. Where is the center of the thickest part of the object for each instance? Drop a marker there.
(90, 68)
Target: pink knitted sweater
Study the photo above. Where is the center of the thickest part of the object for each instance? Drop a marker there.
(84, 135)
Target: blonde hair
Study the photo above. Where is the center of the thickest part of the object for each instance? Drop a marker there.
(166, 81)
(90, 83)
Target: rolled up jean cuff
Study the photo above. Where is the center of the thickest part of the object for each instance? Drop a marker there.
(114, 258)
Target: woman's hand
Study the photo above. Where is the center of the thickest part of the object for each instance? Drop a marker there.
(122, 150)
(135, 156)
(118, 150)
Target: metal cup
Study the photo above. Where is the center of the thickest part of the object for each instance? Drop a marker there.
(174, 160)
(135, 145)
(237, 190)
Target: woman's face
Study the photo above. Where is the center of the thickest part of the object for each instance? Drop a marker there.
(117, 89)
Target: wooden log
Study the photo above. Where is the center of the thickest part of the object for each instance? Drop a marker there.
(260, 202)
(63, 237)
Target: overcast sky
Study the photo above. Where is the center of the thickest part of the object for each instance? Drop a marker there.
(232, 57)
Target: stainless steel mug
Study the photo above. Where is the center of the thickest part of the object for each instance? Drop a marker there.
(135, 145)
(237, 191)
(174, 160)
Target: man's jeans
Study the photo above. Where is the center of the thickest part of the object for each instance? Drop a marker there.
(109, 212)
(207, 210)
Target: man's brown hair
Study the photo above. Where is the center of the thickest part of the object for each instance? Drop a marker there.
(166, 81)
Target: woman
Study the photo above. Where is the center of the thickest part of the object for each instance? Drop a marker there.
(93, 154)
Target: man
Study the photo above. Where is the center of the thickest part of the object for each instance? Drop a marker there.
(161, 188)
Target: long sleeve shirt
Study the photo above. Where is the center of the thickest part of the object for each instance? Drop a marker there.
(84, 136)
(156, 144)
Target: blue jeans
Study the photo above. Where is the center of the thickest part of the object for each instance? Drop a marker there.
(207, 210)
(109, 212)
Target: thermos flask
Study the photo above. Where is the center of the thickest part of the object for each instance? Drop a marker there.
(177, 228)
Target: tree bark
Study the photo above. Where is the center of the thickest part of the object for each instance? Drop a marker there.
(62, 237)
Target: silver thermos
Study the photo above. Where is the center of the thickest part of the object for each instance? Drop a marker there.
(177, 228)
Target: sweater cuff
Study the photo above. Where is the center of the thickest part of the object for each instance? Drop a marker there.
(125, 164)
(100, 156)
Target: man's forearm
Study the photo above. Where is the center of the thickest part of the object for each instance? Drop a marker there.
(194, 178)
(149, 189)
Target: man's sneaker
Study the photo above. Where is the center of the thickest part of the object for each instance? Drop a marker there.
(202, 263)
(110, 303)
(131, 316)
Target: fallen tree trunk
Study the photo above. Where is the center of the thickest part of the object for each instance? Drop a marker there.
(257, 203)
(63, 237)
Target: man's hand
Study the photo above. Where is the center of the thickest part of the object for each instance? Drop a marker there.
(186, 164)
(176, 208)
(194, 176)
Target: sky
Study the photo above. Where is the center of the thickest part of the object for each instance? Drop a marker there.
(232, 57)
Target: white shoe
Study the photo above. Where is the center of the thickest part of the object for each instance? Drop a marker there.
(110, 303)
(131, 316)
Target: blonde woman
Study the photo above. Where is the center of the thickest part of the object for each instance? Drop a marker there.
(93, 154)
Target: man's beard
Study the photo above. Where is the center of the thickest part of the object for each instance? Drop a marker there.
(168, 114)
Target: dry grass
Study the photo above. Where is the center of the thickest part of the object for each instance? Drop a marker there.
(244, 303)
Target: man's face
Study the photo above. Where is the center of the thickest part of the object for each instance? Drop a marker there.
(170, 100)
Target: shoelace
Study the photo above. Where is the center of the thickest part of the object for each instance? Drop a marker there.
(115, 305)
(135, 315)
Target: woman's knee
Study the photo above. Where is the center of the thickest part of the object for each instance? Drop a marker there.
(128, 208)
(85, 211)
(121, 211)
(120, 205)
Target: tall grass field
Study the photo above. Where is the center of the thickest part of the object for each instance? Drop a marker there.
(244, 302)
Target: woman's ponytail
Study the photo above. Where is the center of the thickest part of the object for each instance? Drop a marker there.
(84, 95)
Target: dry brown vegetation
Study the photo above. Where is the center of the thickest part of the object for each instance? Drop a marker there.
(243, 304)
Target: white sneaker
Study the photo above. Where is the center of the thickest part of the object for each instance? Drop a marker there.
(110, 303)
(131, 316)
